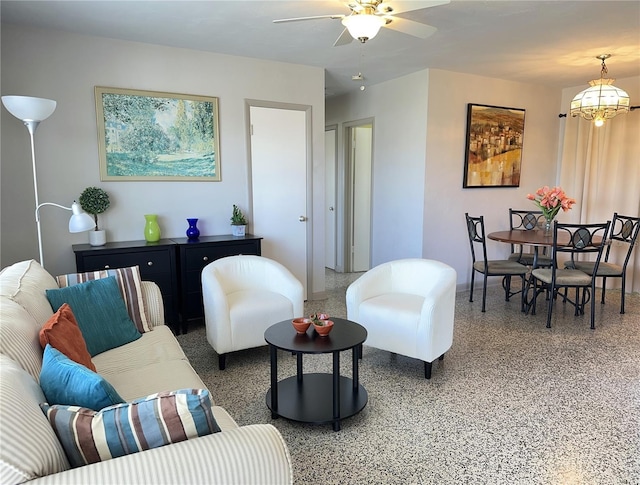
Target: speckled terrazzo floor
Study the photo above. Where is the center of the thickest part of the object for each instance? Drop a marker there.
(512, 403)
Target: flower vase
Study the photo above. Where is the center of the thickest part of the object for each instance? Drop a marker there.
(548, 231)
(151, 228)
(193, 232)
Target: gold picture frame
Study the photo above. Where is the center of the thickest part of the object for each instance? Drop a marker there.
(157, 136)
(493, 155)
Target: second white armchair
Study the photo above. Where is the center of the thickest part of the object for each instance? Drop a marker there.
(407, 307)
(243, 296)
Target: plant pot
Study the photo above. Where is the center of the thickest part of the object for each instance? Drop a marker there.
(323, 330)
(98, 238)
(238, 230)
(301, 324)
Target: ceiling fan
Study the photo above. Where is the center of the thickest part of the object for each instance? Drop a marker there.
(368, 16)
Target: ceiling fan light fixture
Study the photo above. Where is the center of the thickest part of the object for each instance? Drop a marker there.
(601, 100)
(363, 26)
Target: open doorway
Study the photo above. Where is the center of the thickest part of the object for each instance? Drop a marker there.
(358, 142)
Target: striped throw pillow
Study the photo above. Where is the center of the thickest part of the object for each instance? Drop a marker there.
(159, 419)
(130, 284)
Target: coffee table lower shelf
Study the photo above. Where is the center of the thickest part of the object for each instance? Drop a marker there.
(310, 400)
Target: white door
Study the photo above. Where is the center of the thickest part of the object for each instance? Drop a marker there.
(330, 199)
(279, 186)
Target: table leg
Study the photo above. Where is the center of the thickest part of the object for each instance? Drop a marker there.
(274, 380)
(336, 391)
(356, 355)
(299, 366)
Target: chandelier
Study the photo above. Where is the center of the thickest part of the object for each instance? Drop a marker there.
(602, 100)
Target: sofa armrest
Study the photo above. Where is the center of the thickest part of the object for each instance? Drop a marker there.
(154, 304)
(254, 454)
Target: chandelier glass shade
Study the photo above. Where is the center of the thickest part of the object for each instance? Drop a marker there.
(601, 100)
(363, 26)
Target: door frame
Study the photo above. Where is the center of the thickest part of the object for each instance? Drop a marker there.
(346, 206)
(249, 103)
(334, 196)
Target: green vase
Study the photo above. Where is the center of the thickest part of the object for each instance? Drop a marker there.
(151, 228)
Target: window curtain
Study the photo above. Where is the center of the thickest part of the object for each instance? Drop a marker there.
(600, 168)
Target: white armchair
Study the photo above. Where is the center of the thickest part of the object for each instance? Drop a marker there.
(243, 296)
(407, 307)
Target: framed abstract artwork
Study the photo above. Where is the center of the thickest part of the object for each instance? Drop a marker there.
(493, 154)
(156, 136)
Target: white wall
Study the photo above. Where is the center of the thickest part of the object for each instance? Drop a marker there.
(399, 110)
(66, 67)
(419, 143)
(446, 201)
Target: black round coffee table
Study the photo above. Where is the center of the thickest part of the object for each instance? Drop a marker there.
(317, 398)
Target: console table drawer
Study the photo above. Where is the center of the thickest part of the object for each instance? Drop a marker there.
(198, 257)
(150, 262)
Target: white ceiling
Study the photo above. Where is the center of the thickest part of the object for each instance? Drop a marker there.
(542, 42)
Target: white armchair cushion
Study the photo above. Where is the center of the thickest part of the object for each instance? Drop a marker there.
(401, 312)
(248, 327)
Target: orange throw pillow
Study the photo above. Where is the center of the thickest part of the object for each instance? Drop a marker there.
(62, 332)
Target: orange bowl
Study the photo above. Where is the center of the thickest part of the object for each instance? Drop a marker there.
(323, 330)
(301, 324)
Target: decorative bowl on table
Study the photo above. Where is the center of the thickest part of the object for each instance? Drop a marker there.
(301, 324)
(323, 327)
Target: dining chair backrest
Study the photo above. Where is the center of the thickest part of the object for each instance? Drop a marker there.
(475, 229)
(624, 229)
(524, 219)
(579, 239)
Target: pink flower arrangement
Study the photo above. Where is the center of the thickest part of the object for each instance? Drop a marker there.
(551, 200)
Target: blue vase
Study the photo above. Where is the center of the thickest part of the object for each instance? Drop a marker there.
(192, 231)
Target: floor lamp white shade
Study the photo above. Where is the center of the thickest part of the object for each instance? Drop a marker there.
(31, 111)
(26, 108)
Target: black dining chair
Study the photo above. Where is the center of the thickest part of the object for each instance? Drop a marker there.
(581, 239)
(624, 231)
(502, 267)
(527, 220)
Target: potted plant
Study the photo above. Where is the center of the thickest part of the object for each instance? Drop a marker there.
(321, 323)
(238, 222)
(94, 200)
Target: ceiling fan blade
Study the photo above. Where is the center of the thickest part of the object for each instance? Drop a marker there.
(409, 5)
(344, 39)
(410, 27)
(336, 16)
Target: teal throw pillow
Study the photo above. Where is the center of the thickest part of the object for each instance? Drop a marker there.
(153, 421)
(64, 381)
(100, 312)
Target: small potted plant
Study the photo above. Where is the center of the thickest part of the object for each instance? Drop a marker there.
(94, 200)
(321, 323)
(238, 222)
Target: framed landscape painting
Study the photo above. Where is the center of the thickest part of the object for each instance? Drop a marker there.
(493, 154)
(154, 136)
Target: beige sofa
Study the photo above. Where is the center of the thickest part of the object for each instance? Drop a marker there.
(30, 450)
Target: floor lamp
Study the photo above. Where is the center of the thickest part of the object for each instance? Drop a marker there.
(31, 111)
